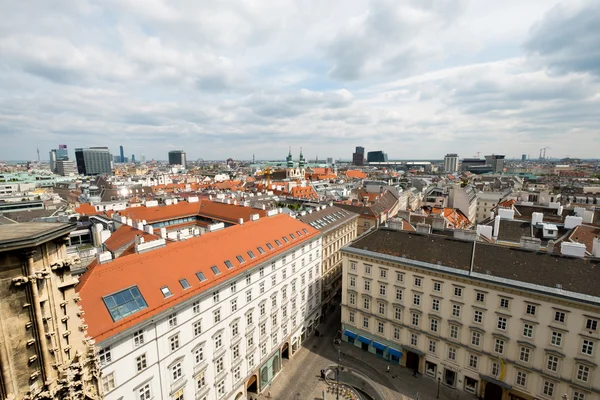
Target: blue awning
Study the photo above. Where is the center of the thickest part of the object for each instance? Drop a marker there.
(394, 352)
(364, 339)
(350, 334)
(378, 346)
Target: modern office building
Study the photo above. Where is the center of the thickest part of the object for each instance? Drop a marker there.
(494, 321)
(376, 156)
(93, 161)
(496, 161)
(62, 153)
(122, 152)
(451, 162)
(177, 157)
(358, 157)
(524, 157)
(65, 168)
(133, 158)
(467, 163)
(173, 325)
(53, 160)
(44, 351)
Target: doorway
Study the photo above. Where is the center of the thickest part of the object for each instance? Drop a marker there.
(285, 351)
(364, 346)
(252, 387)
(412, 361)
(450, 377)
(492, 392)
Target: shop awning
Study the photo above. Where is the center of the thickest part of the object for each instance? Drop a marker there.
(394, 352)
(379, 345)
(364, 339)
(350, 334)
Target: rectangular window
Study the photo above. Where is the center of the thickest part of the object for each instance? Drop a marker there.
(454, 331)
(480, 297)
(531, 309)
(501, 323)
(478, 316)
(452, 353)
(504, 303)
(399, 294)
(578, 396)
(437, 287)
(352, 299)
(556, 338)
(587, 347)
(528, 330)
(416, 299)
(124, 303)
(218, 340)
(233, 305)
(475, 339)
(380, 327)
(499, 346)
(144, 393)
(456, 310)
(473, 361)
(435, 304)
(197, 326)
(196, 307)
(367, 269)
(221, 389)
(432, 346)
(215, 270)
(172, 320)
(396, 333)
(495, 370)
(399, 277)
(433, 325)
(583, 373)
(219, 365)
(108, 382)
(398, 313)
(248, 279)
(591, 324)
(199, 355)
(261, 288)
(552, 364)
(105, 355)
(414, 339)
(382, 290)
(418, 282)
(261, 250)
(352, 281)
(366, 303)
(176, 372)
(233, 287)
(366, 322)
(381, 308)
(521, 378)
(217, 316)
(200, 276)
(351, 317)
(367, 285)
(138, 338)
(559, 316)
(415, 319)
(352, 266)
(234, 329)
(458, 292)
(184, 284)
(548, 388)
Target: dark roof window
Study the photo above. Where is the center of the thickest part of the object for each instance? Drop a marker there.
(292, 236)
(269, 246)
(215, 270)
(251, 254)
(239, 258)
(277, 242)
(304, 230)
(200, 276)
(261, 250)
(124, 303)
(184, 283)
(285, 239)
(166, 291)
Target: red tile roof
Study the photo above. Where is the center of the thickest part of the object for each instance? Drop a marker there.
(355, 174)
(152, 270)
(126, 235)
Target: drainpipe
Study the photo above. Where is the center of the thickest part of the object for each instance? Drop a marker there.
(37, 311)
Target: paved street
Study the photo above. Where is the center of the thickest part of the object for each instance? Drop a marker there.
(300, 376)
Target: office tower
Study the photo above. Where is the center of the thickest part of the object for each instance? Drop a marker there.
(358, 157)
(62, 153)
(93, 161)
(143, 158)
(45, 352)
(376, 156)
(496, 161)
(133, 158)
(451, 162)
(53, 160)
(524, 157)
(122, 152)
(65, 168)
(177, 157)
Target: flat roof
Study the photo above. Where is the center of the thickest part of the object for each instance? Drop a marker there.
(29, 234)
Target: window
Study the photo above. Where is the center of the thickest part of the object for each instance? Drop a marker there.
(219, 365)
(501, 323)
(559, 316)
(556, 338)
(261, 272)
(248, 279)
(178, 395)
(196, 307)
(397, 313)
(499, 346)
(437, 287)
(524, 354)
(366, 303)
(105, 355)
(504, 303)
(274, 320)
(433, 325)
(399, 294)
(383, 273)
(184, 284)
(480, 297)
(249, 319)
(351, 317)
(269, 246)
(352, 266)
(367, 269)
(233, 305)
(473, 361)
(263, 349)
(414, 339)
(380, 327)
(199, 355)
(578, 396)
(197, 326)
(138, 338)
(215, 270)
(352, 281)
(552, 364)
(432, 346)
(250, 341)
(273, 280)
(174, 342)
(218, 340)
(591, 324)
(124, 303)
(200, 381)
(531, 309)
(366, 322)
(235, 329)
(215, 297)
(476, 339)
(367, 285)
(381, 308)
(144, 392)
(416, 299)
(217, 315)
(458, 292)
(452, 353)
(399, 277)
(251, 361)
(200, 276)
(435, 304)
(172, 320)
(221, 388)
(454, 331)
(382, 290)
(528, 330)
(262, 309)
(261, 250)
(478, 316)
(237, 374)
(396, 333)
(418, 282)
(233, 287)
(587, 347)
(176, 372)
(495, 369)
(251, 254)
(456, 310)
(248, 296)
(277, 242)
(108, 382)
(548, 388)
(521, 378)
(352, 299)
(583, 373)
(415, 319)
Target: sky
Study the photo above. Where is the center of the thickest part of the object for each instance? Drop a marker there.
(221, 78)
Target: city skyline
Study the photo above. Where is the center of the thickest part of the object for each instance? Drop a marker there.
(506, 78)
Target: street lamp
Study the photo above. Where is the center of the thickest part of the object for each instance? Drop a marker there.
(438, 391)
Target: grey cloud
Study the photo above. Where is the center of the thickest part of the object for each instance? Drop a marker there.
(567, 39)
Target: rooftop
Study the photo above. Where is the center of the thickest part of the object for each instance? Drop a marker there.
(576, 275)
(30, 234)
(325, 219)
(151, 272)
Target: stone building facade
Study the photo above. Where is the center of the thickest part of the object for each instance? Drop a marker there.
(44, 352)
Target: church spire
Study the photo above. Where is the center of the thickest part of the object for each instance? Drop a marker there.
(290, 162)
(301, 162)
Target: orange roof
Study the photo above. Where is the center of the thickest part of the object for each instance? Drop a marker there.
(355, 174)
(227, 212)
(161, 213)
(126, 235)
(86, 209)
(307, 192)
(453, 215)
(152, 270)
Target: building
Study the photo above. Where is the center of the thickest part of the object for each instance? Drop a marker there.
(172, 325)
(358, 157)
(62, 153)
(53, 160)
(177, 157)
(468, 163)
(93, 161)
(339, 227)
(524, 157)
(497, 322)
(496, 161)
(44, 352)
(122, 152)
(65, 168)
(451, 162)
(486, 202)
(464, 199)
(376, 156)
(374, 213)
(133, 158)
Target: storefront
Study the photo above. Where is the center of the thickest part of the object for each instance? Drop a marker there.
(364, 342)
(431, 369)
(379, 348)
(394, 355)
(269, 369)
(349, 336)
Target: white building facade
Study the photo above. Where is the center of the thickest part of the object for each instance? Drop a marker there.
(451, 163)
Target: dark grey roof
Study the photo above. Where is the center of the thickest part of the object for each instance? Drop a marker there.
(29, 234)
(536, 268)
(328, 218)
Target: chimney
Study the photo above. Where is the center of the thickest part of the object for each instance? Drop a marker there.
(530, 243)
(424, 229)
(465, 235)
(163, 233)
(241, 221)
(537, 218)
(129, 222)
(438, 222)
(139, 226)
(550, 247)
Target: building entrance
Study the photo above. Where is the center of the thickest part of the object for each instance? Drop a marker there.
(492, 392)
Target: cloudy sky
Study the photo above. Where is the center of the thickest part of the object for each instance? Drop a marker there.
(223, 78)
